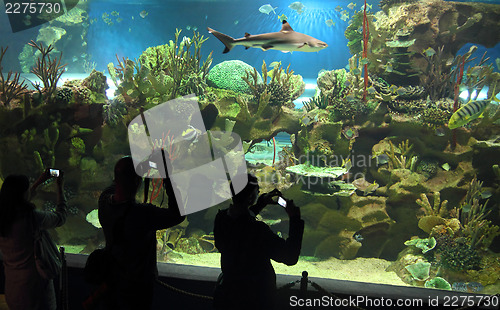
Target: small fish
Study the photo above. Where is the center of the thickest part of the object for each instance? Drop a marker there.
(350, 97)
(401, 91)
(185, 40)
(360, 29)
(115, 13)
(143, 13)
(371, 188)
(306, 120)
(75, 58)
(472, 110)
(129, 29)
(358, 237)
(388, 67)
(297, 6)
(282, 17)
(371, 90)
(368, 7)
(476, 70)
(338, 8)
(446, 167)
(344, 17)
(356, 71)
(236, 22)
(393, 88)
(132, 17)
(429, 52)
(266, 9)
(382, 159)
(364, 61)
(330, 22)
(27, 20)
(351, 5)
(440, 132)
(191, 134)
(119, 20)
(275, 64)
(188, 27)
(486, 194)
(347, 164)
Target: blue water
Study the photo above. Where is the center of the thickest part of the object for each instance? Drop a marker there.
(132, 36)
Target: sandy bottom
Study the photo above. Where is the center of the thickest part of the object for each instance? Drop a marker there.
(370, 270)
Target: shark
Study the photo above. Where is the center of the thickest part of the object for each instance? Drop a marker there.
(286, 40)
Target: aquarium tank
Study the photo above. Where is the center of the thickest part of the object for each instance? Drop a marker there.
(380, 120)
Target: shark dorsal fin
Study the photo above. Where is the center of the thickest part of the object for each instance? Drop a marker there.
(247, 34)
(286, 27)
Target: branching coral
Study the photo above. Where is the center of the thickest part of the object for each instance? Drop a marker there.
(439, 77)
(48, 70)
(401, 157)
(10, 87)
(438, 208)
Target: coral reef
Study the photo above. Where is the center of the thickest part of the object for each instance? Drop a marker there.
(228, 75)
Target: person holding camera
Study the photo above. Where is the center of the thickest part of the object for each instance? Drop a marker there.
(130, 232)
(24, 287)
(248, 280)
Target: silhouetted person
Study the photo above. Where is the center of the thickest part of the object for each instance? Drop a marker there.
(24, 287)
(247, 246)
(130, 232)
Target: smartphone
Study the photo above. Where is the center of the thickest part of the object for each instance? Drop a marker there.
(54, 172)
(282, 202)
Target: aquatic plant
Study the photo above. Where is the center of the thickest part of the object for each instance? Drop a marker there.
(320, 102)
(332, 84)
(163, 72)
(472, 214)
(48, 70)
(10, 87)
(279, 87)
(441, 74)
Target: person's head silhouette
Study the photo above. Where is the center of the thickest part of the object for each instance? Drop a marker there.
(249, 194)
(14, 197)
(125, 176)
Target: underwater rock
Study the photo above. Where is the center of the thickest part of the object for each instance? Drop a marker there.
(228, 75)
(405, 185)
(50, 35)
(435, 23)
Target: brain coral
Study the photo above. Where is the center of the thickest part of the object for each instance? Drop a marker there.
(227, 75)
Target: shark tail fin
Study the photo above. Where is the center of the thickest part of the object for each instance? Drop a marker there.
(225, 39)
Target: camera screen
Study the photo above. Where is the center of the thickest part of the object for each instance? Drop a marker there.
(282, 202)
(54, 172)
